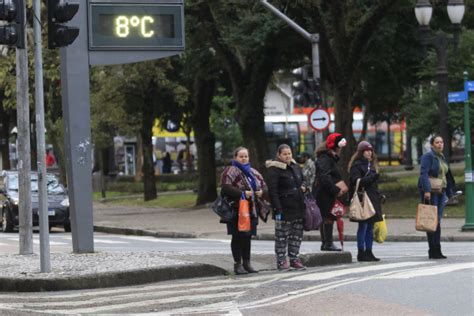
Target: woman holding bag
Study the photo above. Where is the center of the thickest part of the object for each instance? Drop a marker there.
(328, 185)
(363, 166)
(436, 186)
(237, 181)
(286, 188)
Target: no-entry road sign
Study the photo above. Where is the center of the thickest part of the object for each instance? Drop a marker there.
(319, 119)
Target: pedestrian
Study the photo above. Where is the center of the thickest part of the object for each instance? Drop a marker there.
(285, 188)
(325, 190)
(363, 166)
(309, 170)
(167, 162)
(50, 160)
(238, 179)
(434, 165)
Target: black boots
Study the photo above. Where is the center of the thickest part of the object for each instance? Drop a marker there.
(239, 269)
(326, 238)
(435, 253)
(366, 255)
(248, 267)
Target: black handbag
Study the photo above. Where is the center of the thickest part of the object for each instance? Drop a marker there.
(223, 208)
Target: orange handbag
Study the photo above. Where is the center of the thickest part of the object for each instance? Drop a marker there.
(243, 224)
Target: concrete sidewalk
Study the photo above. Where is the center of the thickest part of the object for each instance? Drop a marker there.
(106, 269)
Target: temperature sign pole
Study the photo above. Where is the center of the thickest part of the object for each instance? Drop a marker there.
(110, 32)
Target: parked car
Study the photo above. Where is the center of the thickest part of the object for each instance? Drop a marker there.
(58, 201)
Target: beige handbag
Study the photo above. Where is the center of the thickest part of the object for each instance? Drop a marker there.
(426, 218)
(360, 211)
(436, 185)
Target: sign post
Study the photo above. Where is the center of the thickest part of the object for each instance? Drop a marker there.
(319, 119)
(111, 32)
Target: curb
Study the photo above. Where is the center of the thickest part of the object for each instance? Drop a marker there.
(110, 279)
(141, 232)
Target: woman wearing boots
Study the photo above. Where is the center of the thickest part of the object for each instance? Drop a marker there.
(237, 179)
(435, 166)
(285, 187)
(325, 189)
(363, 166)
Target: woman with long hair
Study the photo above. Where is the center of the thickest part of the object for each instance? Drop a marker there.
(237, 180)
(286, 188)
(363, 166)
(435, 166)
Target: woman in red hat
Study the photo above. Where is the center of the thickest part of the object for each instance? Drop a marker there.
(363, 166)
(325, 189)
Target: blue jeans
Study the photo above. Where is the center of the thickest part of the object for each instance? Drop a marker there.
(365, 235)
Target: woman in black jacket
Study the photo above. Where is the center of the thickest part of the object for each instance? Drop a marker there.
(363, 166)
(325, 189)
(285, 188)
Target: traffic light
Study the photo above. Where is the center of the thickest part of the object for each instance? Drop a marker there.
(306, 91)
(13, 32)
(61, 11)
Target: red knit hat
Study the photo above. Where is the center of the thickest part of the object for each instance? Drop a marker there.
(335, 140)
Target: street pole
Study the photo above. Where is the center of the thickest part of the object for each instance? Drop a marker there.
(469, 185)
(24, 160)
(40, 140)
(441, 46)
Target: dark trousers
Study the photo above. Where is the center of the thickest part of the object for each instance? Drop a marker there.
(240, 246)
(365, 235)
(434, 239)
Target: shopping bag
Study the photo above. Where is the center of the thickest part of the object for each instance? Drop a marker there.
(223, 208)
(360, 211)
(243, 224)
(312, 214)
(380, 231)
(426, 218)
(338, 209)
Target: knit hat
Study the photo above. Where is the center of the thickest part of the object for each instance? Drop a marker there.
(363, 146)
(335, 140)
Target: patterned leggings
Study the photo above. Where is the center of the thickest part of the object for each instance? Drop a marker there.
(288, 234)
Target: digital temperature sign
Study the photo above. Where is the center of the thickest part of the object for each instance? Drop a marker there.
(135, 26)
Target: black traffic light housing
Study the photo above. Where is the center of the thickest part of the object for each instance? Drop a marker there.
(12, 33)
(61, 11)
(306, 91)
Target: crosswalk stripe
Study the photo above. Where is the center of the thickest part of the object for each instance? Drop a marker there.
(52, 243)
(337, 273)
(429, 271)
(98, 309)
(107, 241)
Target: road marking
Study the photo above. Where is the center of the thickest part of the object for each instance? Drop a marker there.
(53, 243)
(191, 298)
(316, 276)
(156, 240)
(107, 241)
(421, 272)
(225, 241)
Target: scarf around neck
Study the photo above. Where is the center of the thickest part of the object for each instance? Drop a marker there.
(247, 170)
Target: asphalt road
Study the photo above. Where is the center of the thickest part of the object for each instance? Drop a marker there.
(404, 282)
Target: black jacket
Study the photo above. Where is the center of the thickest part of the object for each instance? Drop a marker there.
(366, 172)
(327, 175)
(284, 188)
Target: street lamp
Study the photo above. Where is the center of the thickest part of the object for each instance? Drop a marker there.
(440, 42)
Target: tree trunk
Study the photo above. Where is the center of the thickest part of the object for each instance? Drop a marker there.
(139, 159)
(389, 140)
(148, 170)
(205, 141)
(344, 118)
(189, 159)
(4, 138)
(365, 122)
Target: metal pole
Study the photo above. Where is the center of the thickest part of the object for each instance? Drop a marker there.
(40, 140)
(315, 51)
(441, 45)
(24, 160)
(291, 23)
(469, 185)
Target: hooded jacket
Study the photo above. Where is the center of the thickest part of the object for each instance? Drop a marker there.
(284, 188)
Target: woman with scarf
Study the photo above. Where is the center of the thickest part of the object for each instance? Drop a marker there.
(237, 180)
(286, 187)
(435, 166)
(325, 190)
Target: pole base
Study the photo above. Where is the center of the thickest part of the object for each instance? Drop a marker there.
(468, 227)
